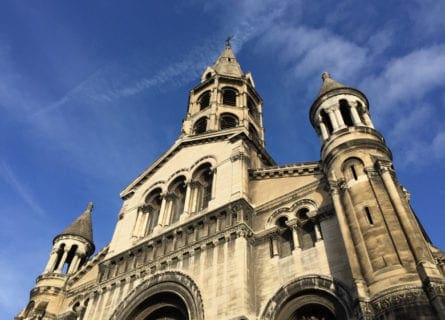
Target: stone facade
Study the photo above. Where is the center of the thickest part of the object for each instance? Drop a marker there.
(214, 229)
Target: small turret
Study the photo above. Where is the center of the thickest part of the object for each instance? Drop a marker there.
(73, 245)
(337, 107)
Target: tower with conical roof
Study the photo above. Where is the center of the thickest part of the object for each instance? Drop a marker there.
(215, 229)
(383, 238)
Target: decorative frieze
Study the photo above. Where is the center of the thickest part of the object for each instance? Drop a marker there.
(393, 299)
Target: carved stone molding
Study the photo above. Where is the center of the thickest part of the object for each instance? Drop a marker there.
(173, 281)
(398, 298)
(325, 287)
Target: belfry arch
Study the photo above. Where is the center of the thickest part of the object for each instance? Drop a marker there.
(169, 295)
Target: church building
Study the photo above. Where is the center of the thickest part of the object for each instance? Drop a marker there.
(214, 229)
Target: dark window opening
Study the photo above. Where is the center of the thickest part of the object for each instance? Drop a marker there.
(326, 121)
(302, 213)
(285, 240)
(200, 126)
(203, 186)
(208, 75)
(204, 100)
(177, 194)
(251, 106)
(153, 204)
(369, 216)
(307, 235)
(354, 173)
(229, 97)
(361, 111)
(253, 133)
(228, 121)
(345, 111)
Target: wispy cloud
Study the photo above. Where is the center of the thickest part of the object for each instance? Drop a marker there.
(8, 175)
(408, 77)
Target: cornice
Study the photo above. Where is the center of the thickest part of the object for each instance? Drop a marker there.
(288, 170)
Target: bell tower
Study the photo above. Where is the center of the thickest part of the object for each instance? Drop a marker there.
(383, 238)
(225, 99)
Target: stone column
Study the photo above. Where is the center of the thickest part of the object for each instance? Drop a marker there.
(274, 249)
(317, 231)
(74, 263)
(416, 243)
(347, 238)
(51, 261)
(186, 213)
(323, 130)
(339, 117)
(354, 115)
(162, 211)
(333, 119)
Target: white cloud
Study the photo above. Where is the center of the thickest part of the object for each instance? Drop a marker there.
(438, 146)
(7, 174)
(408, 77)
(311, 51)
(414, 119)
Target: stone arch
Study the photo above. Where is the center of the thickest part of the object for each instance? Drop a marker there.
(206, 159)
(353, 168)
(170, 283)
(300, 295)
(311, 205)
(276, 215)
(161, 184)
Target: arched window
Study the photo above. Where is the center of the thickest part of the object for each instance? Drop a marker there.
(200, 126)
(285, 241)
(253, 133)
(345, 111)
(325, 119)
(229, 96)
(251, 106)
(202, 187)
(177, 198)
(204, 100)
(162, 305)
(307, 236)
(60, 252)
(228, 120)
(353, 168)
(29, 308)
(152, 207)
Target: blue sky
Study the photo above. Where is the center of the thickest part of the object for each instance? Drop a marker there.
(92, 92)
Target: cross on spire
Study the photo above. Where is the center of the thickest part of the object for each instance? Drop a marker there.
(228, 41)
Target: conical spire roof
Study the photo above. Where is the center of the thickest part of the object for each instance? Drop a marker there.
(82, 226)
(227, 63)
(329, 84)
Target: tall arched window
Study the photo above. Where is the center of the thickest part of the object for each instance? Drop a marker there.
(228, 120)
(353, 168)
(176, 195)
(229, 96)
(153, 203)
(327, 122)
(200, 126)
(204, 100)
(285, 240)
(202, 187)
(251, 106)
(307, 235)
(253, 133)
(345, 111)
